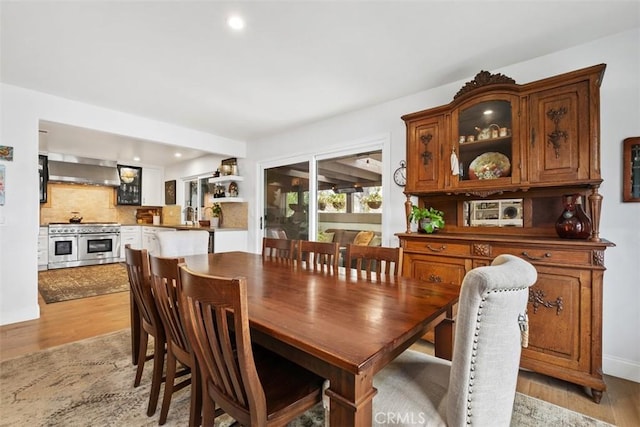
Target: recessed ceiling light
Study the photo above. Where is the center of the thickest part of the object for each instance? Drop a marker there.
(236, 22)
(136, 159)
(178, 154)
(487, 112)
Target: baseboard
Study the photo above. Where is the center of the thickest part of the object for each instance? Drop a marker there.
(621, 368)
(15, 316)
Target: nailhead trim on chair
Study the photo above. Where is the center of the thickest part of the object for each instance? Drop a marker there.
(475, 350)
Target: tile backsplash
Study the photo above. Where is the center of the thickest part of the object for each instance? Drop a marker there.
(94, 204)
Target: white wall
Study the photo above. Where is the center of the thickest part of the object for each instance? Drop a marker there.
(620, 110)
(20, 111)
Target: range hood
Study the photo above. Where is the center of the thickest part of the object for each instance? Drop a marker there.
(81, 170)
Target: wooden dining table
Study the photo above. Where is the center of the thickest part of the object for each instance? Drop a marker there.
(342, 328)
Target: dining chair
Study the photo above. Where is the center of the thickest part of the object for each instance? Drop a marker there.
(254, 386)
(318, 255)
(365, 260)
(182, 243)
(164, 277)
(278, 249)
(150, 324)
(478, 386)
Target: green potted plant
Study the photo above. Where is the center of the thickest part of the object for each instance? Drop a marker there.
(373, 199)
(216, 214)
(322, 201)
(339, 201)
(428, 219)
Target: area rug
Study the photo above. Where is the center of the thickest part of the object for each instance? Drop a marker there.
(80, 282)
(90, 383)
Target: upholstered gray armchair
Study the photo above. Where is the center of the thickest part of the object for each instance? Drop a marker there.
(478, 387)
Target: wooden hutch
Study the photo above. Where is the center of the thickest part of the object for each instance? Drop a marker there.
(497, 161)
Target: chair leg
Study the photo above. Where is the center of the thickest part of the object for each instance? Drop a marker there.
(208, 410)
(168, 386)
(195, 412)
(158, 367)
(142, 356)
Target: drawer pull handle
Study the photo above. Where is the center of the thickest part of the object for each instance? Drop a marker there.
(435, 279)
(440, 249)
(535, 258)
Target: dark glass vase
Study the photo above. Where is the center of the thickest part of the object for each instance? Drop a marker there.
(573, 222)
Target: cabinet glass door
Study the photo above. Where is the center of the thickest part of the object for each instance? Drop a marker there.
(485, 135)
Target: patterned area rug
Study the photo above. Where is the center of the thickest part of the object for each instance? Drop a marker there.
(90, 383)
(80, 282)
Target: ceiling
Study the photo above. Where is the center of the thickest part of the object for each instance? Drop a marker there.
(295, 62)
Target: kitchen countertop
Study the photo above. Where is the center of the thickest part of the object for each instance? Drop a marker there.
(190, 227)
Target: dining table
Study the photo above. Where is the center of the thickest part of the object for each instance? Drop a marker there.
(341, 327)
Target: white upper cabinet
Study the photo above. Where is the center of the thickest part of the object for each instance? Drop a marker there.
(152, 187)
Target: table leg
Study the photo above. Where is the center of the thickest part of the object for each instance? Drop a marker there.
(444, 335)
(351, 399)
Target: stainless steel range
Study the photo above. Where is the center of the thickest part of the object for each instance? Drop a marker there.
(73, 245)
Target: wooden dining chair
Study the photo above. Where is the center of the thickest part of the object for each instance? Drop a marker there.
(365, 260)
(318, 255)
(137, 262)
(278, 249)
(164, 277)
(253, 385)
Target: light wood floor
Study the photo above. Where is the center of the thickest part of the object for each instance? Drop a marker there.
(69, 321)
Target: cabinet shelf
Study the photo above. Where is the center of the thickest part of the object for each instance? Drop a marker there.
(227, 199)
(486, 142)
(225, 178)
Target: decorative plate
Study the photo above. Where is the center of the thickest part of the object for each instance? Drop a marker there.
(490, 166)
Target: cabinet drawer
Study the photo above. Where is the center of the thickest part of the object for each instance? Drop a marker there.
(550, 256)
(435, 269)
(436, 248)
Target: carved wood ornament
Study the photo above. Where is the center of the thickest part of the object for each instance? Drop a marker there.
(484, 78)
(426, 155)
(536, 297)
(557, 134)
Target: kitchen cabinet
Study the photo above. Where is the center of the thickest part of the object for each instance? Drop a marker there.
(230, 240)
(132, 235)
(43, 248)
(152, 187)
(506, 155)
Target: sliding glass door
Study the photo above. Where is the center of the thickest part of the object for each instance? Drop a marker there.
(286, 201)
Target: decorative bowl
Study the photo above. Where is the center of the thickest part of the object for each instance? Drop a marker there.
(490, 165)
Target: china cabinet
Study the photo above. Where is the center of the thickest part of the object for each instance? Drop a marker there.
(498, 161)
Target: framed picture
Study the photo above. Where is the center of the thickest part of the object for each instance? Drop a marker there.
(129, 192)
(2, 184)
(631, 170)
(6, 153)
(43, 171)
(170, 192)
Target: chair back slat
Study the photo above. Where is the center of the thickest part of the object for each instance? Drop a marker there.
(137, 262)
(277, 249)
(318, 255)
(164, 278)
(365, 260)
